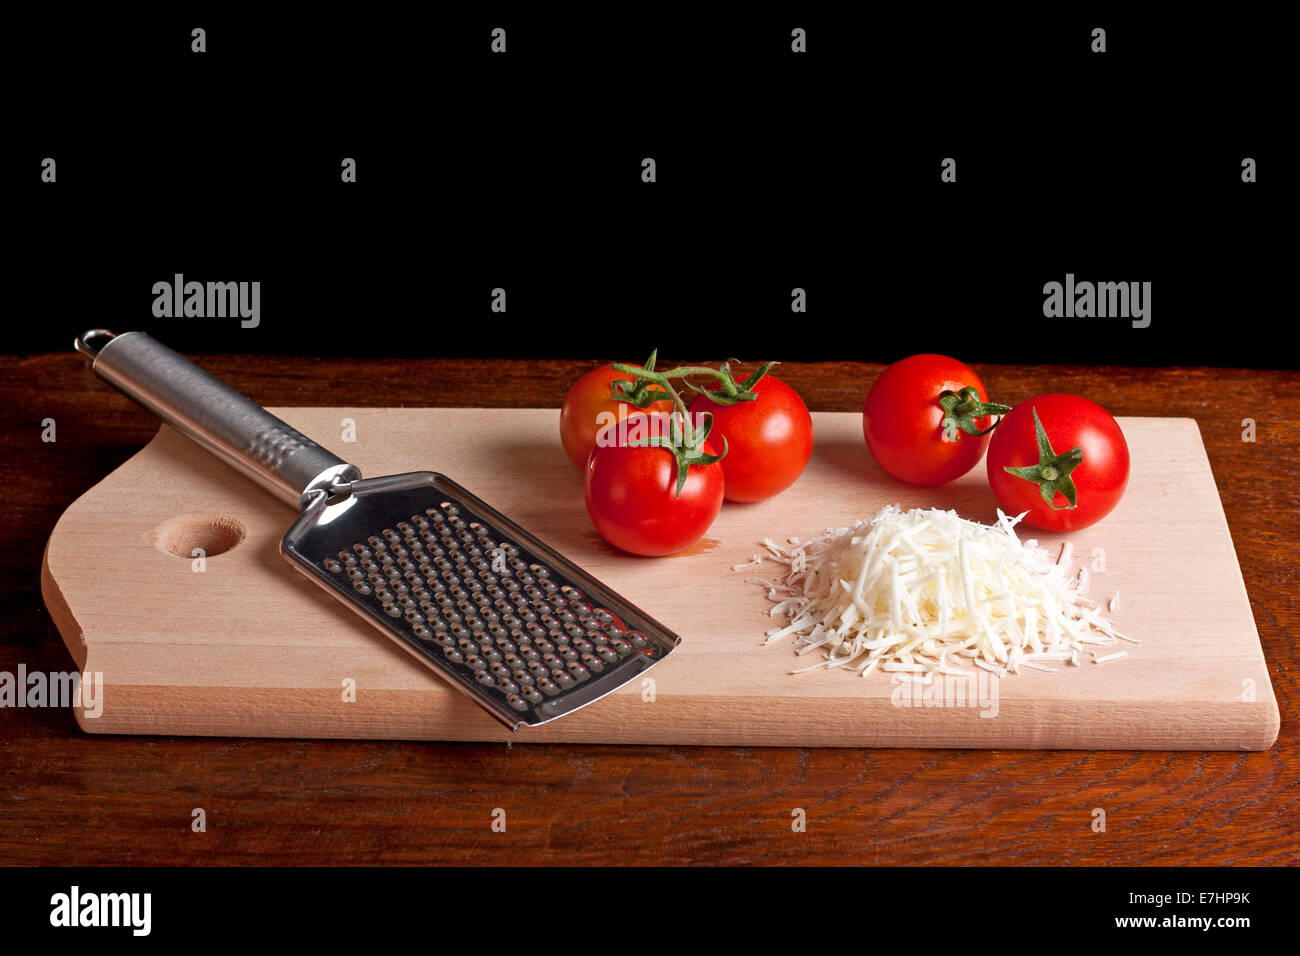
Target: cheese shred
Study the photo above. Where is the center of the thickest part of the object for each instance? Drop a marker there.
(925, 591)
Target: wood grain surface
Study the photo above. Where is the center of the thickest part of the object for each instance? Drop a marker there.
(248, 648)
(73, 798)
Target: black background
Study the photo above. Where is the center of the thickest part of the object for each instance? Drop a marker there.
(775, 170)
(736, 908)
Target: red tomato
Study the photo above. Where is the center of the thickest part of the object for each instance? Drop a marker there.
(902, 420)
(1069, 422)
(588, 407)
(632, 495)
(768, 440)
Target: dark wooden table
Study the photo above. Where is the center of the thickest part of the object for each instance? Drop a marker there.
(69, 798)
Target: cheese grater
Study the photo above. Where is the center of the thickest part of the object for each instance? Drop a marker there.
(503, 617)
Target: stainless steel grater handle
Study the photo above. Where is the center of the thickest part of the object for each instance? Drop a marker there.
(236, 430)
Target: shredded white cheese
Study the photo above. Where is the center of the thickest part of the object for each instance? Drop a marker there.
(1082, 580)
(924, 592)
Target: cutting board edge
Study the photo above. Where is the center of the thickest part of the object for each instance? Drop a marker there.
(56, 603)
(318, 709)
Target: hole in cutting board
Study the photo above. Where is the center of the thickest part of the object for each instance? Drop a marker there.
(215, 534)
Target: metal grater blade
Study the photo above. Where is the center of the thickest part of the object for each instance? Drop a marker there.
(506, 619)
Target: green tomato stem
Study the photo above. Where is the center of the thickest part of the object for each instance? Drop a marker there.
(1052, 473)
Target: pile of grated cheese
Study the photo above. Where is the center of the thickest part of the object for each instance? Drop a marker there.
(925, 591)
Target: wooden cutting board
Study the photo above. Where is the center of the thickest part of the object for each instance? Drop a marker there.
(247, 647)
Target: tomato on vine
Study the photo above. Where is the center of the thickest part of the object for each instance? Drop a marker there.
(653, 482)
(589, 406)
(638, 496)
(768, 432)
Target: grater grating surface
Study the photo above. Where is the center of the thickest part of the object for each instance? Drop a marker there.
(500, 614)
